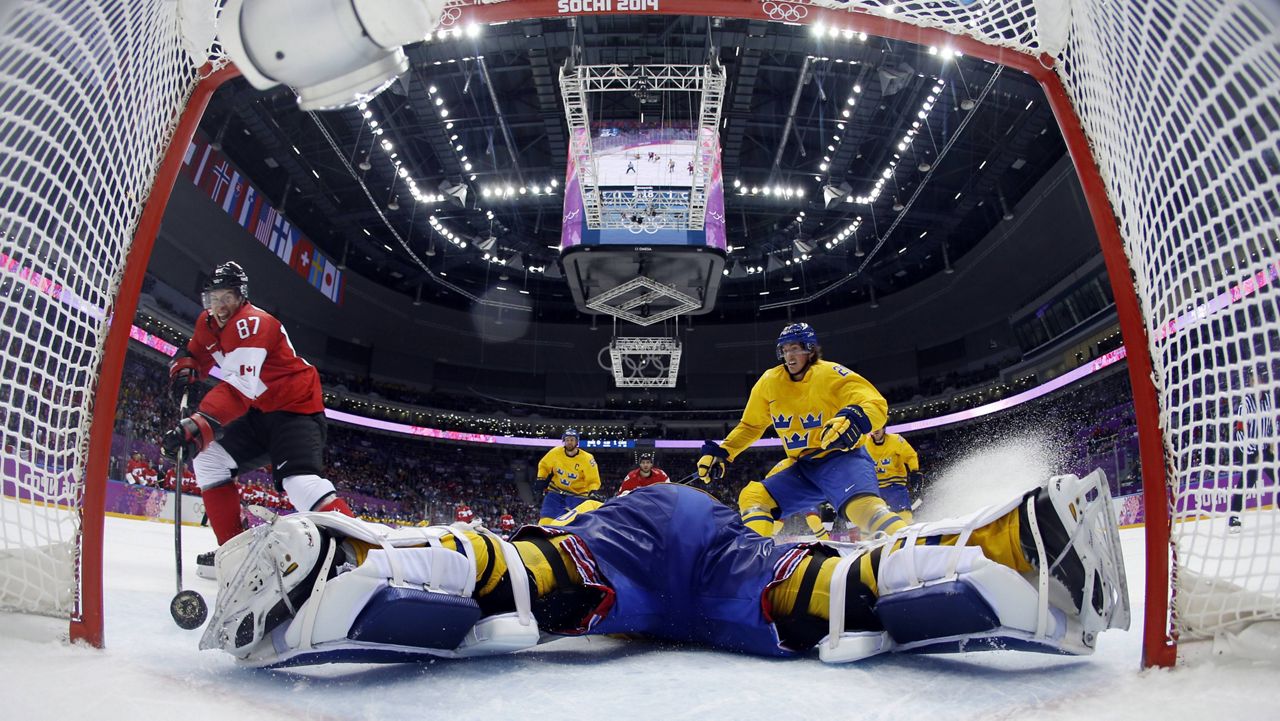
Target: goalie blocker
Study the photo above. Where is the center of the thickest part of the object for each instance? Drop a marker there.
(1042, 572)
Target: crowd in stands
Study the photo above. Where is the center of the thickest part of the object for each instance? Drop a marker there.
(1091, 425)
(471, 412)
(410, 479)
(639, 415)
(931, 385)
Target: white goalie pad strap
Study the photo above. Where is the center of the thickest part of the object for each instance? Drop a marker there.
(212, 466)
(839, 588)
(912, 534)
(841, 646)
(305, 490)
(1016, 602)
(461, 543)
(519, 581)
(388, 537)
(505, 632)
(434, 569)
(306, 620)
(965, 525)
(1042, 578)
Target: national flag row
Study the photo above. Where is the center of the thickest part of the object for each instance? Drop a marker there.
(210, 171)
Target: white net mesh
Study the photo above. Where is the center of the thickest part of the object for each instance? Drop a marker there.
(1180, 102)
(90, 92)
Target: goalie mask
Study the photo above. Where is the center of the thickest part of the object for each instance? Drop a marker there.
(265, 575)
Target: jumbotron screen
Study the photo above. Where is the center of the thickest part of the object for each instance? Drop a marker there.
(643, 162)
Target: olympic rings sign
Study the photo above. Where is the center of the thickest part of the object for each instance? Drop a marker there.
(786, 12)
(450, 15)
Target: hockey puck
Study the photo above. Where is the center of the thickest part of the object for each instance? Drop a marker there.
(188, 609)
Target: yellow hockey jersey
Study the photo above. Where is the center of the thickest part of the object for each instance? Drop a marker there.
(894, 458)
(798, 410)
(576, 474)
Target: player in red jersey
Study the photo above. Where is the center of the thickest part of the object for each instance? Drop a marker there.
(267, 409)
(506, 525)
(645, 475)
(140, 472)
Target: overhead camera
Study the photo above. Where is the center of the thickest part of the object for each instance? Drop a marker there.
(333, 53)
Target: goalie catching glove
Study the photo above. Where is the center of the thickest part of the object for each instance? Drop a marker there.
(843, 431)
(713, 463)
(192, 435)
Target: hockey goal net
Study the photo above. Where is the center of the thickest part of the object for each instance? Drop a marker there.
(1170, 108)
(91, 92)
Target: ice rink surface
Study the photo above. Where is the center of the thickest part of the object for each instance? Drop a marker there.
(152, 669)
(632, 166)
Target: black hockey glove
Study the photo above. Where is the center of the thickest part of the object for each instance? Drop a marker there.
(712, 464)
(915, 482)
(192, 435)
(843, 431)
(184, 372)
(826, 513)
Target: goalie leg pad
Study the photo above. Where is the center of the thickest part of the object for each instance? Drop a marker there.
(944, 599)
(394, 616)
(1068, 530)
(288, 598)
(954, 617)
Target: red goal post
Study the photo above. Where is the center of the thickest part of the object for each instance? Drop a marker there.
(92, 93)
(87, 621)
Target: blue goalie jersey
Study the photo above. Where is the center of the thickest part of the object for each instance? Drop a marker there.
(683, 567)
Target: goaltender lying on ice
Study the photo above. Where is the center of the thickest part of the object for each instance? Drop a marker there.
(1041, 572)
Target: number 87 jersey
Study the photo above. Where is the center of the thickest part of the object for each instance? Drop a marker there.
(259, 366)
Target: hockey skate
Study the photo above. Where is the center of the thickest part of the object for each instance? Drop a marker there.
(1068, 532)
(204, 566)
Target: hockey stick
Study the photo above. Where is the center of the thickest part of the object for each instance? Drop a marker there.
(687, 480)
(187, 607)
